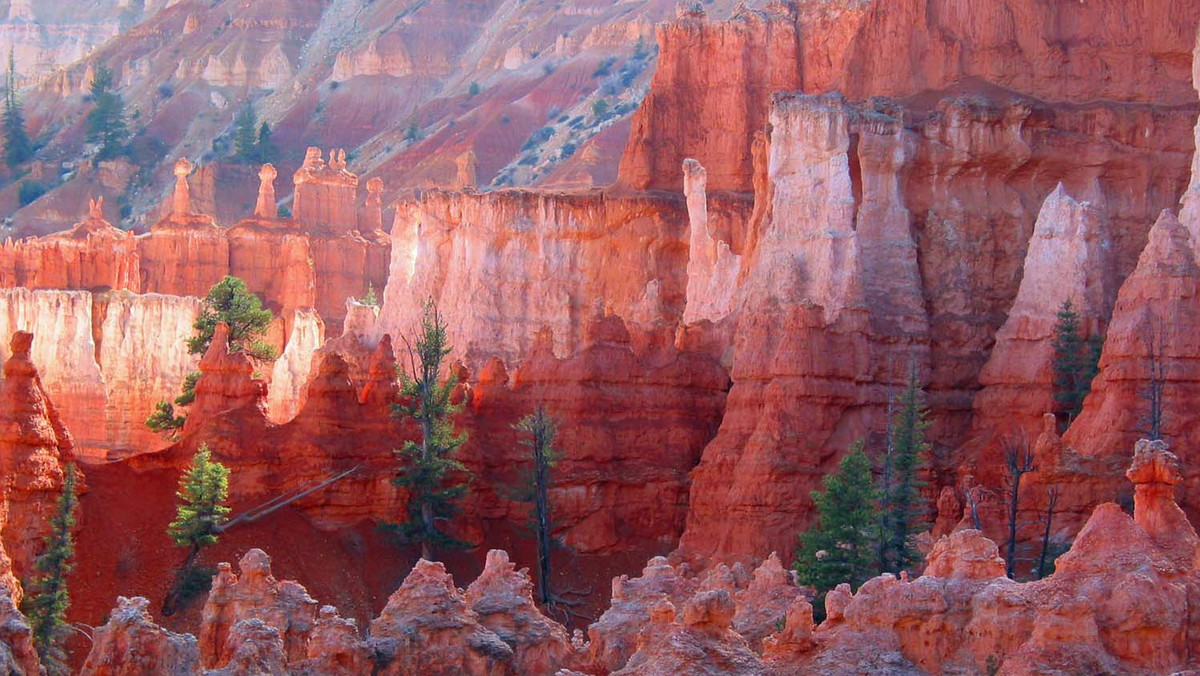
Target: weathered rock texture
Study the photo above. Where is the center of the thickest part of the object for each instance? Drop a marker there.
(34, 447)
(1118, 602)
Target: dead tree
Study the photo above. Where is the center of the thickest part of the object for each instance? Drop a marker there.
(974, 495)
(1018, 461)
(1152, 334)
(1051, 503)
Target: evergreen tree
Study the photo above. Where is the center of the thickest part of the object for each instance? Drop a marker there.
(18, 149)
(265, 150)
(47, 606)
(164, 421)
(245, 126)
(231, 302)
(541, 429)
(106, 122)
(840, 545)
(903, 508)
(201, 511)
(371, 299)
(1075, 363)
(432, 475)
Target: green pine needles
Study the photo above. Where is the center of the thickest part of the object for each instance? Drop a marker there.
(47, 606)
(840, 547)
(18, 148)
(201, 511)
(106, 123)
(431, 472)
(902, 506)
(1076, 362)
(231, 302)
(866, 525)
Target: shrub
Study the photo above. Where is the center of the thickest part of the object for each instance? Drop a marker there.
(605, 67)
(30, 191)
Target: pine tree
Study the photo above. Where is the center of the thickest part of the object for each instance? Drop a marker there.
(106, 122)
(371, 299)
(47, 606)
(18, 149)
(840, 545)
(903, 508)
(245, 126)
(201, 511)
(541, 429)
(432, 475)
(164, 421)
(1076, 362)
(265, 150)
(231, 302)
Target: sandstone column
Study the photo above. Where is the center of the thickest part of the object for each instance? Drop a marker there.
(265, 208)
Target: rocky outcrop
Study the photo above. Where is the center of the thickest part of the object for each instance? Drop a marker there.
(502, 597)
(290, 372)
(17, 653)
(286, 613)
(1118, 602)
(34, 448)
(802, 300)
(428, 627)
(227, 383)
(734, 105)
(503, 265)
(1068, 260)
(599, 508)
(712, 267)
(131, 644)
(91, 255)
(963, 613)
(701, 642)
(614, 637)
(1149, 347)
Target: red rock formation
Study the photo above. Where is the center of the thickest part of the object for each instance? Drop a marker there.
(613, 638)
(1068, 259)
(91, 255)
(736, 96)
(34, 446)
(764, 602)
(227, 383)
(702, 642)
(17, 653)
(131, 644)
(106, 359)
(185, 254)
(254, 594)
(802, 302)
(1117, 601)
(608, 495)
(502, 597)
(325, 193)
(428, 627)
(504, 265)
(1154, 313)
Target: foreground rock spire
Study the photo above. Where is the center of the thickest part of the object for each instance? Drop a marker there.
(34, 447)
